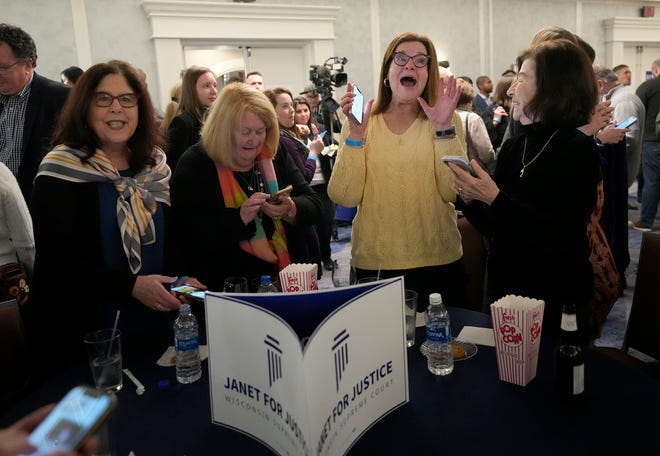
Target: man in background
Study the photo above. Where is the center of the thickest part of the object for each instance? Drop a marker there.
(626, 104)
(482, 99)
(256, 80)
(623, 73)
(29, 107)
(620, 155)
(649, 93)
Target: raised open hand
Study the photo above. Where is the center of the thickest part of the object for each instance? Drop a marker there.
(441, 113)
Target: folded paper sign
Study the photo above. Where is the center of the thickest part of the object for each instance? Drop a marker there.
(517, 323)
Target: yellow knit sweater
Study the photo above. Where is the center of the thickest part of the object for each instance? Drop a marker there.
(406, 217)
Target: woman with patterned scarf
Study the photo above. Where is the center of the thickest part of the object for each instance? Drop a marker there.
(98, 208)
(222, 221)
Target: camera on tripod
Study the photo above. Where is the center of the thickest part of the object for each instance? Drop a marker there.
(325, 77)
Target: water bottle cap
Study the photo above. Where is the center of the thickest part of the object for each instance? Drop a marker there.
(184, 309)
(435, 298)
(265, 279)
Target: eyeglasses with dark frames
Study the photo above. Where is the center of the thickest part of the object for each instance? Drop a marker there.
(419, 60)
(5, 68)
(126, 100)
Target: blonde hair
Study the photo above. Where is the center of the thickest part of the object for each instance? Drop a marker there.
(172, 109)
(467, 93)
(552, 32)
(226, 114)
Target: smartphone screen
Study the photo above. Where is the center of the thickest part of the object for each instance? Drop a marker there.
(76, 416)
(358, 104)
(191, 291)
(628, 122)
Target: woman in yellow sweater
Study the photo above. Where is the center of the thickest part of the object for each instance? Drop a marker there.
(390, 167)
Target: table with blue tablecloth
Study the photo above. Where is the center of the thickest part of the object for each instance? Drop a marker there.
(468, 412)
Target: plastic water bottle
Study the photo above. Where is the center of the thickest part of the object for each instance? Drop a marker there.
(266, 286)
(438, 346)
(186, 343)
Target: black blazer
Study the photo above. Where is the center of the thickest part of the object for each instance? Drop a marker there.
(479, 105)
(182, 133)
(44, 104)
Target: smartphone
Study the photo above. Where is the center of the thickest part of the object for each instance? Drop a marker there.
(73, 419)
(460, 161)
(358, 105)
(191, 291)
(628, 122)
(275, 199)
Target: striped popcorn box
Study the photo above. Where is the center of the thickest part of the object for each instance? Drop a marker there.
(517, 323)
(299, 277)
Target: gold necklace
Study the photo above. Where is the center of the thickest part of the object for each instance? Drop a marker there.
(249, 184)
(522, 170)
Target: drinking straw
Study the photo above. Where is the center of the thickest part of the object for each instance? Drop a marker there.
(112, 336)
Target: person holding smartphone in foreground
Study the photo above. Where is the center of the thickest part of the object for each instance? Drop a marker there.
(14, 439)
(535, 208)
(390, 167)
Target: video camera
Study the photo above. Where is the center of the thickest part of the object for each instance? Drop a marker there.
(325, 77)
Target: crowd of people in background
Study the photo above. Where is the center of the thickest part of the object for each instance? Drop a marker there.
(95, 179)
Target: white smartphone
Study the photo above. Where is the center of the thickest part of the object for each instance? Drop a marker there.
(75, 417)
(357, 110)
(460, 161)
(191, 291)
(628, 122)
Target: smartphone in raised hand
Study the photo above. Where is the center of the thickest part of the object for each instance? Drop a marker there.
(73, 419)
(357, 110)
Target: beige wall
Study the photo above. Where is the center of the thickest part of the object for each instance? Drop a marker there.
(476, 36)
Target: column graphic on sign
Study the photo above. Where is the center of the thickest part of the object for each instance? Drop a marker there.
(340, 350)
(274, 357)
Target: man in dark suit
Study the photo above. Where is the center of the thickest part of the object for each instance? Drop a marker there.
(29, 106)
(482, 100)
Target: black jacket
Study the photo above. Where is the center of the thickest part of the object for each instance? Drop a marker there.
(44, 104)
(182, 133)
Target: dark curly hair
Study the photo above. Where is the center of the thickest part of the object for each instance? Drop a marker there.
(20, 42)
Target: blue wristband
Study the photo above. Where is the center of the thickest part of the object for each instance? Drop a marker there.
(311, 157)
(354, 142)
